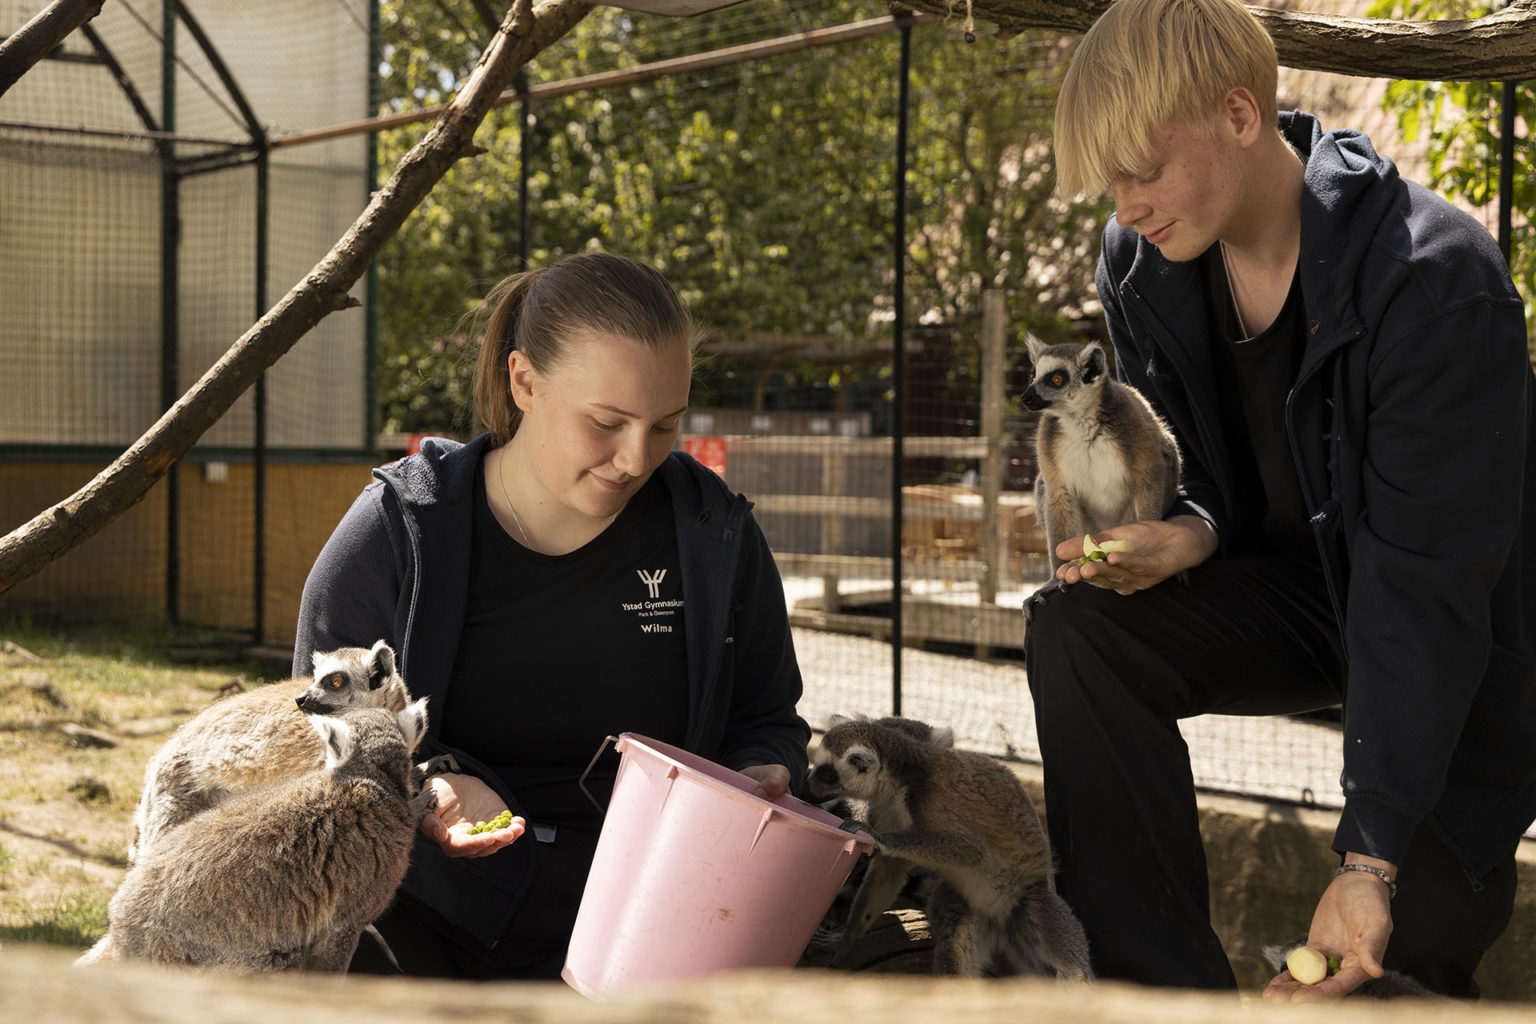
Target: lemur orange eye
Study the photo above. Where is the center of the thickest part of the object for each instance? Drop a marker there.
(1058, 379)
(338, 681)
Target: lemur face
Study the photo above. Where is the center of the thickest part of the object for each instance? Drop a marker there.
(843, 771)
(349, 677)
(1064, 375)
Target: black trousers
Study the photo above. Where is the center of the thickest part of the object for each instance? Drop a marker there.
(1111, 675)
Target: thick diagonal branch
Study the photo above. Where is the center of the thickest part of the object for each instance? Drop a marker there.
(1501, 46)
(31, 546)
(37, 38)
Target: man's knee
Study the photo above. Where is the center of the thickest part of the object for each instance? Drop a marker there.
(1088, 647)
(1064, 640)
(1043, 610)
(1059, 620)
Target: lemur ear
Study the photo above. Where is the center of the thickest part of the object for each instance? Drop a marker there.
(1035, 346)
(337, 736)
(1095, 363)
(837, 719)
(381, 664)
(413, 722)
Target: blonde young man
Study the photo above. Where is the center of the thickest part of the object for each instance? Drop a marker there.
(1343, 358)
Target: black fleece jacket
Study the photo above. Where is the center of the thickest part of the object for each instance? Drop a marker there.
(1411, 428)
(397, 567)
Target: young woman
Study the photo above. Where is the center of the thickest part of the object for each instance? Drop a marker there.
(562, 578)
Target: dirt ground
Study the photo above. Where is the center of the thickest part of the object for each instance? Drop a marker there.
(78, 722)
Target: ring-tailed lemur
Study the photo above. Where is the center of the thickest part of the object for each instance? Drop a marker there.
(1104, 456)
(258, 737)
(287, 877)
(883, 877)
(968, 819)
(255, 739)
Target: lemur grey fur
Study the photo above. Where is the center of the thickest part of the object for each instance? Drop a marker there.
(256, 739)
(287, 877)
(883, 878)
(966, 818)
(1104, 456)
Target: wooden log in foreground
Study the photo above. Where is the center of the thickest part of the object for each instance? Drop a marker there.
(41, 984)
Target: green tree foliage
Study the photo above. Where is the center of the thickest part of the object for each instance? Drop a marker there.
(1460, 123)
(764, 189)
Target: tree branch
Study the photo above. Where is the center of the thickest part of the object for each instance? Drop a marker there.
(524, 32)
(1501, 46)
(37, 38)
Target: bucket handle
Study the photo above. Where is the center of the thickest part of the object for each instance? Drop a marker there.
(582, 782)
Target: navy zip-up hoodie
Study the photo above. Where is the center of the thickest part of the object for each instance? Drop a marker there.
(397, 568)
(1411, 428)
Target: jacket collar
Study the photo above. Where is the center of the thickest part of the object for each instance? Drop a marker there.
(1347, 189)
(443, 471)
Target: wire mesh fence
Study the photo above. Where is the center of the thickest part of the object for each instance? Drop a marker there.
(144, 225)
(781, 234)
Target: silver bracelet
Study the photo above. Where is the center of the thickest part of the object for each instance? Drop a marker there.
(1378, 872)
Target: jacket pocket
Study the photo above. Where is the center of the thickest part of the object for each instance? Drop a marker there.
(1332, 548)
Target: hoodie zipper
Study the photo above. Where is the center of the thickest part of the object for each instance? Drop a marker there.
(1328, 510)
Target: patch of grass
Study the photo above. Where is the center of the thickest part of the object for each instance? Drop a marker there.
(121, 642)
(98, 677)
(91, 791)
(113, 853)
(145, 643)
(76, 919)
(65, 805)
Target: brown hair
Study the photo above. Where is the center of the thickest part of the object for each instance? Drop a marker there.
(538, 312)
(1145, 65)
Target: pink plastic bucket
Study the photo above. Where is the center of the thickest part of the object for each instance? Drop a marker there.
(694, 874)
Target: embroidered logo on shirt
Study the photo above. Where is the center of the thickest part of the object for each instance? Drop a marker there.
(652, 580)
(657, 614)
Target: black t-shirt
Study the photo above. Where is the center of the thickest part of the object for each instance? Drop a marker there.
(560, 651)
(1255, 376)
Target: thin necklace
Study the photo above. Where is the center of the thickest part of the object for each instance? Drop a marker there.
(507, 497)
(1231, 293)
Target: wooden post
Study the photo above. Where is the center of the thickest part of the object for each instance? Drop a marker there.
(994, 317)
(834, 484)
